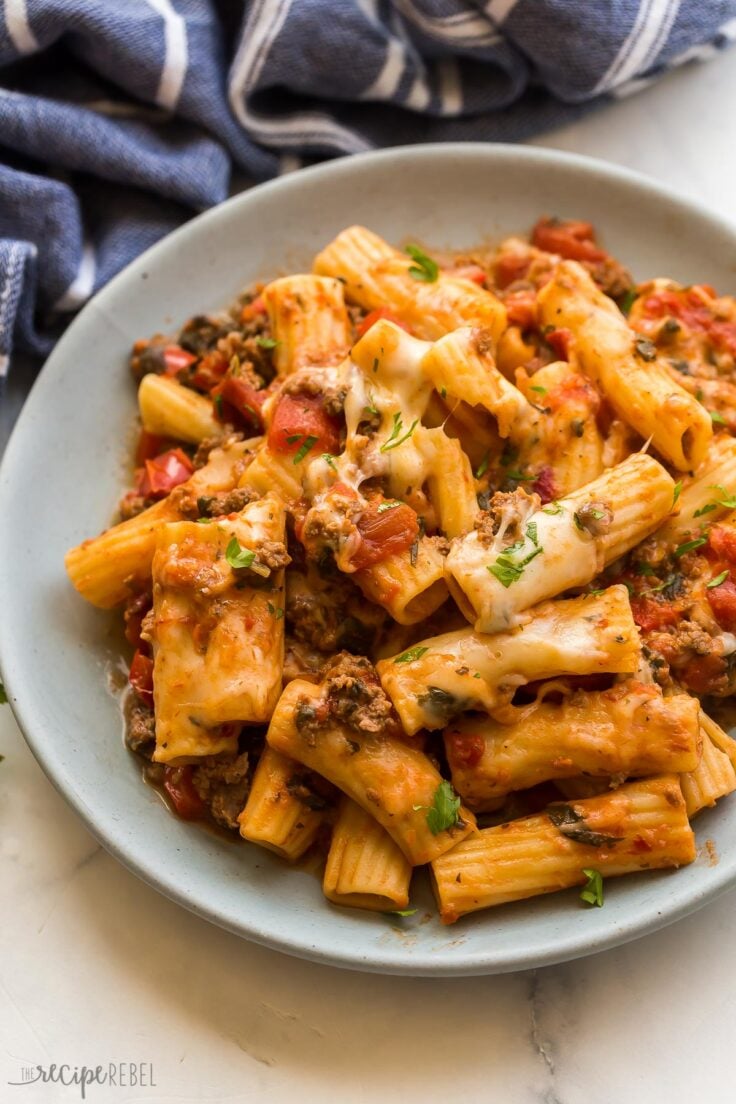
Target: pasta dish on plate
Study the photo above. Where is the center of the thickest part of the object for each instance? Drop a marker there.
(428, 561)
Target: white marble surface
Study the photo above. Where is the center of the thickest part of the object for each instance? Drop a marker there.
(96, 967)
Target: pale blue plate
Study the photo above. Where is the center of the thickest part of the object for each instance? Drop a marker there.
(65, 466)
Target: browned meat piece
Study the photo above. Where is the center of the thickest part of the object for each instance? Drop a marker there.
(133, 504)
(273, 554)
(507, 508)
(202, 454)
(223, 784)
(595, 518)
(355, 694)
(195, 506)
(141, 728)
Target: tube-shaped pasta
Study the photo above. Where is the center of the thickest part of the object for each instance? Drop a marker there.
(461, 365)
(448, 674)
(629, 730)
(392, 781)
(376, 275)
(108, 569)
(640, 826)
(449, 481)
(171, 410)
(309, 321)
(409, 585)
(714, 776)
(274, 816)
(365, 868)
(704, 491)
(623, 365)
(218, 646)
(558, 546)
(272, 471)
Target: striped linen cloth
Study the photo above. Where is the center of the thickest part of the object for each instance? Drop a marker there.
(121, 118)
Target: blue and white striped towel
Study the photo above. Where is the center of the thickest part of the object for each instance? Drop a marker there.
(120, 118)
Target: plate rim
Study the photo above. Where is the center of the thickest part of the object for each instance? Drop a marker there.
(482, 962)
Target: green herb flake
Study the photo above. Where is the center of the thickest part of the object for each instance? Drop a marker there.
(412, 654)
(717, 581)
(237, 556)
(3, 695)
(424, 268)
(531, 532)
(552, 508)
(401, 912)
(538, 389)
(705, 509)
(690, 546)
(267, 342)
(644, 569)
(519, 476)
(394, 440)
(444, 812)
(592, 891)
(329, 459)
(388, 506)
(309, 443)
(217, 403)
(443, 392)
(645, 349)
(716, 418)
(482, 468)
(205, 521)
(627, 300)
(676, 493)
(728, 501)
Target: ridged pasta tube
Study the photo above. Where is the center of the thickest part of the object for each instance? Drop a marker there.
(714, 776)
(274, 816)
(623, 365)
(565, 544)
(640, 826)
(629, 730)
(309, 322)
(377, 275)
(457, 671)
(409, 585)
(108, 569)
(171, 410)
(704, 491)
(392, 781)
(365, 869)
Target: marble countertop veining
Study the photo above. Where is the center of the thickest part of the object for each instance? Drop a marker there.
(96, 967)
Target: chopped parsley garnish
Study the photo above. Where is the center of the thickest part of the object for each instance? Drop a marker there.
(716, 418)
(370, 407)
(676, 493)
(217, 402)
(690, 546)
(482, 468)
(705, 509)
(443, 392)
(645, 349)
(424, 268)
(728, 500)
(645, 569)
(309, 443)
(412, 654)
(627, 300)
(388, 506)
(718, 580)
(395, 439)
(401, 912)
(329, 459)
(444, 812)
(204, 521)
(277, 613)
(552, 508)
(237, 556)
(509, 571)
(267, 342)
(519, 476)
(592, 891)
(3, 695)
(538, 389)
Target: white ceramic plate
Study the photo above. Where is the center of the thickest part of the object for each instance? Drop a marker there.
(65, 467)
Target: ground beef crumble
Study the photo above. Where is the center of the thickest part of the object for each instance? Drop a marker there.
(273, 554)
(355, 695)
(194, 506)
(223, 784)
(141, 728)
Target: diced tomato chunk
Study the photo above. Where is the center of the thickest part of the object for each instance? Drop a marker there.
(570, 239)
(380, 312)
(141, 676)
(385, 532)
(149, 446)
(241, 399)
(651, 614)
(722, 600)
(521, 308)
(184, 797)
(210, 370)
(301, 420)
(560, 342)
(176, 359)
(544, 485)
(465, 749)
(722, 543)
(136, 609)
(253, 309)
(159, 476)
(472, 272)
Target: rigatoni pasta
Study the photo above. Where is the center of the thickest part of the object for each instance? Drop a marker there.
(428, 560)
